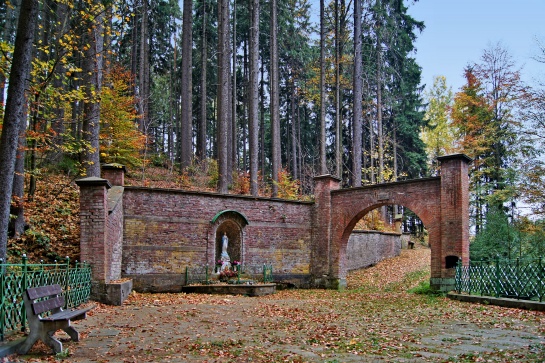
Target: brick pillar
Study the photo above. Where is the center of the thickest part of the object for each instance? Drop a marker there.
(115, 173)
(93, 223)
(454, 220)
(321, 231)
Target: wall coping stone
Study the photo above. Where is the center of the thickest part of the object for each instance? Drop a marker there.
(215, 195)
(369, 231)
(93, 181)
(382, 185)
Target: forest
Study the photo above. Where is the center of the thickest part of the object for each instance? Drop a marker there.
(258, 97)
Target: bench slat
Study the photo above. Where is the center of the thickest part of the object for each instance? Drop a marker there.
(43, 291)
(47, 305)
(67, 314)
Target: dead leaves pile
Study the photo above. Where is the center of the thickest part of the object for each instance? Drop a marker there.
(375, 319)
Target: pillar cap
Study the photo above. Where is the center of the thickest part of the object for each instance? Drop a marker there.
(327, 176)
(114, 166)
(93, 181)
(464, 157)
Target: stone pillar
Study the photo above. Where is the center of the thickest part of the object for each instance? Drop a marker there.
(101, 223)
(93, 223)
(321, 230)
(454, 221)
(115, 173)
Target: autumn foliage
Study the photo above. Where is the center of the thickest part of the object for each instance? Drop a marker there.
(120, 140)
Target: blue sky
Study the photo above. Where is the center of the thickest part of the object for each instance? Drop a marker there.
(457, 32)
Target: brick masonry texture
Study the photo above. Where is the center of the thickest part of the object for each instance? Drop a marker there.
(151, 235)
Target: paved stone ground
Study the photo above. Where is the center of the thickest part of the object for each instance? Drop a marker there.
(362, 324)
(242, 329)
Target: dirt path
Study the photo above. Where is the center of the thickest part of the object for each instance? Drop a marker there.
(375, 319)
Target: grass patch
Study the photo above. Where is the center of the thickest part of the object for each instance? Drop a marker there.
(424, 288)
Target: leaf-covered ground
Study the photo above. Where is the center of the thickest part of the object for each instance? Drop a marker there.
(375, 319)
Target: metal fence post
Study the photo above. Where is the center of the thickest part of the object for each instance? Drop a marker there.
(25, 287)
(2, 302)
(497, 273)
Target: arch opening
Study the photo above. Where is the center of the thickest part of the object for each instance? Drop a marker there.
(380, 232)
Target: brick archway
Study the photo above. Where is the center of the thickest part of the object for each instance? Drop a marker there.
(442, 203)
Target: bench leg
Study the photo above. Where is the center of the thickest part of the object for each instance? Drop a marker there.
(53, 342)
(28, 343)
(74, 335)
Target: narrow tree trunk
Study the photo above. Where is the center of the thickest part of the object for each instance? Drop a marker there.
(358, 94)
(294, 170)
(262, 118)
(254, 96)
(92, 68)
(142, 67)
(234, 94)
(201, 139)
(223, 111)
(186, 117)
(379, 118)
(275, 112)
(323, 163)
(338, 128)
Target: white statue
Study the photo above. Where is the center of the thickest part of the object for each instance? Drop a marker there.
(225, 259)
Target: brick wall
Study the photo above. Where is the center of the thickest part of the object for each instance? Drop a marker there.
(367, 248)
(151, 235)
(167, 230)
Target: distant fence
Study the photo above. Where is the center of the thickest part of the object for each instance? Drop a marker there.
(208, 274)
(522, 279)
(16, 278)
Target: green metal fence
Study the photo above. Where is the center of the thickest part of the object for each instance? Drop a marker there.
(206, 275)
(522, 279)
(16, 278)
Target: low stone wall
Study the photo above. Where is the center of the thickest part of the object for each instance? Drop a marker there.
(366, 248)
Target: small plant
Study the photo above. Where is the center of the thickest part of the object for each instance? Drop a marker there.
(63, 354)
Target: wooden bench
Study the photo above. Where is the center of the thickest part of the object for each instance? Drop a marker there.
(43, 299)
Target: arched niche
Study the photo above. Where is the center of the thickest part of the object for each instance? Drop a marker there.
(231, 223)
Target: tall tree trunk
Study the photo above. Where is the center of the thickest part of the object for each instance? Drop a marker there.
(380, 137)
(323, 163)
(223, 111)
(234, 95)
(201, 138)
(294, 170)
(15, 107)
(186, 117)
(244, 124)
(338, 128)
(358, 94)
(92, 68)
(143, 72)
(275, 107)
(254, 96)
(57, 124)
(262, 118)
(17, 206)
